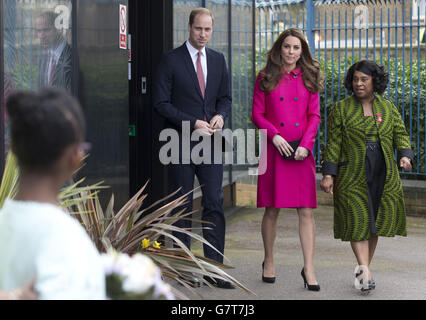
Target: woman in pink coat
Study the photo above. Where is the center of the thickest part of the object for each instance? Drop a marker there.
(286, 104)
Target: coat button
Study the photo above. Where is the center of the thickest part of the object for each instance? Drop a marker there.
(295, 76)
(297, 124)
(296, 98)
(282, 99)
(282, 124)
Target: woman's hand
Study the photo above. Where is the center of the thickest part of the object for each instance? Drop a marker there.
(405, 163)
(282, 145)
(327, 184)
(301, 153)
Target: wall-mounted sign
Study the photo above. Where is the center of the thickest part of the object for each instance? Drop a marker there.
(123, 26)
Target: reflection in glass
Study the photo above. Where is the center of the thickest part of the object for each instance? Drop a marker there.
(37, 51)
(55, 64)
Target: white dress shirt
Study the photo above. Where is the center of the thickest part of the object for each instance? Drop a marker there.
(41, 241)
(194, 56)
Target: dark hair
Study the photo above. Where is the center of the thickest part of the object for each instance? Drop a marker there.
(312, 75)
(42, 125)
(380, 77)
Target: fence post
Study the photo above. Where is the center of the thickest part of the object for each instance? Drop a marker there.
(310, 25)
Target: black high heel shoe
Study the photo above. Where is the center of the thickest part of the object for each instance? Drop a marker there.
(267, 279)
(311, 287)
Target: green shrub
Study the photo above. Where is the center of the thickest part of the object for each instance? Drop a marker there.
(410, 100)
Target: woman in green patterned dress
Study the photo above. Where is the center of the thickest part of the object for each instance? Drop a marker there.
(359, 166)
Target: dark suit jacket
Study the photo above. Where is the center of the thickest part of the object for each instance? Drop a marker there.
(62, 75)
(177, 94)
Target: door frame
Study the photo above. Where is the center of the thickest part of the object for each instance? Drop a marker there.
(151, 34)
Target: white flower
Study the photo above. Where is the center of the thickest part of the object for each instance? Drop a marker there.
(140, 274)
(115, 262)
(163, 289)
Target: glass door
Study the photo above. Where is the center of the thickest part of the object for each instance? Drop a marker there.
(36, 51)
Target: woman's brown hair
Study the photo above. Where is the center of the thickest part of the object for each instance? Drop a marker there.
(310, 67)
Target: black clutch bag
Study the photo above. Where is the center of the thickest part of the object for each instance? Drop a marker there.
(294, 145)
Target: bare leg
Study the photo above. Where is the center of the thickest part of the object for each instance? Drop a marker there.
(360, 249)
(307, 240)
(269, 232)
(372, 244)
(362, 254)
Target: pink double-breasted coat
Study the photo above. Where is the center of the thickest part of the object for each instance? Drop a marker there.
(293, 112)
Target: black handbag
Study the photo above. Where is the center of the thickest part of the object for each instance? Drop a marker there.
(294, 145)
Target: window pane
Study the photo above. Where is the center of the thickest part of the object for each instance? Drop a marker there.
(219, 41)
(242, 63)
(37, 43)
(37, 47)
(181, 11)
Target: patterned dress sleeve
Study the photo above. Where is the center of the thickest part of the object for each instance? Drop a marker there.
(334, 142)
(401, 139)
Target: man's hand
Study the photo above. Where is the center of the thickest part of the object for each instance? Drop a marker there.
(282, 145)
(405, 163)
(217, 122)
(301, 153)
(327, 184)
(204, 127)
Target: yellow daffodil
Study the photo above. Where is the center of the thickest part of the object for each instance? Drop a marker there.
(145, 243)
(156, 245)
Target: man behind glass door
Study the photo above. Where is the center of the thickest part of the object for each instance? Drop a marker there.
(55, 63)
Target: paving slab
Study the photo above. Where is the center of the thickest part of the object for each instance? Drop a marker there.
(399, 265)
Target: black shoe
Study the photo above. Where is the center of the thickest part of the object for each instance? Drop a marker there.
(267, 279)
(192, 281)
(313, 287)
(219, 283)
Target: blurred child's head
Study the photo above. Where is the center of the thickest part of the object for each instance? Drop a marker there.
(47, 130)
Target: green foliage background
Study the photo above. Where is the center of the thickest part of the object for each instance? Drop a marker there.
(406, 89)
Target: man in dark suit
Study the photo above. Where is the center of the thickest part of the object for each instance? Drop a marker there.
(55, 63)
(192, 90)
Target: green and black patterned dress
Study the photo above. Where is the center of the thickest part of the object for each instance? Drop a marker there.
(345, 158)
